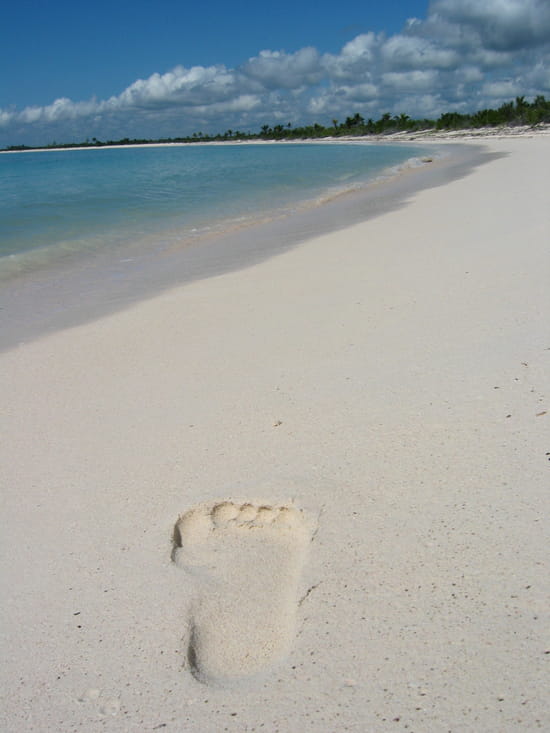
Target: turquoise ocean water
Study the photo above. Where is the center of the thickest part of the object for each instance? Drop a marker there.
(60, 204)
(86, 233)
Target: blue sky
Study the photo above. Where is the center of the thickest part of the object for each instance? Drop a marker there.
(71, 71)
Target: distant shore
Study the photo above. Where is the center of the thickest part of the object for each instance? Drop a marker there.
(428, 135)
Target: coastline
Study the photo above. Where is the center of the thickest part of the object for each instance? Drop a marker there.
(87, 285)
(428, 135)
(391, 379)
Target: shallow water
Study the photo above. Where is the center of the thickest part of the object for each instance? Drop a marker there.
(58, 287)
(59, 203)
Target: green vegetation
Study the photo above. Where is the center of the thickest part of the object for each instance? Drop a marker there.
(518, 113)
(515, 113)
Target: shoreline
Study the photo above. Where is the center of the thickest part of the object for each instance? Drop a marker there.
(389, 382)
(212, 225)
(429, 135)
(89, 285)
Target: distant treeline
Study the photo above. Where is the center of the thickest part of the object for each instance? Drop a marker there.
(519, 112)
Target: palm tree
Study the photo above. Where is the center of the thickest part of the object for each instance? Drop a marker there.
(403, 121)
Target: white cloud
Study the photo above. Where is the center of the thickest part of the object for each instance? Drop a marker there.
(501, 24)
(539, 76)
(404, 52)
(6, 117)
(277, 69)
(487, 59)
(243, 103)
(358, 92)
(470, 74)
(355, 58)
(32, 114)
(423, 105)
(410, 81)
(195, 86)
(466, 54)
(501, 89)
(60, 109)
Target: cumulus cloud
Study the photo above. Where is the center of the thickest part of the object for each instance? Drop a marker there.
(280, 70)
(501, 24)
(61, 109)
(355, 60)
(465, 54)
(195, 86)
(410, 81)
(405, 52)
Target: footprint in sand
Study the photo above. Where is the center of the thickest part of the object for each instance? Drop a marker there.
(247, 561)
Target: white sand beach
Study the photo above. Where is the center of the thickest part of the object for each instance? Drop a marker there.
(307, 495)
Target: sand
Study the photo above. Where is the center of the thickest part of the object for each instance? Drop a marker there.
(310, 494)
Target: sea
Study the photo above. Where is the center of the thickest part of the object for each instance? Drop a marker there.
(56, 203)
(84, 231)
